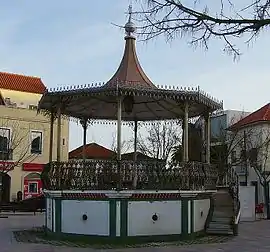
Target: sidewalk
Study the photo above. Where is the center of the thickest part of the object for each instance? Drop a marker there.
(253, 236)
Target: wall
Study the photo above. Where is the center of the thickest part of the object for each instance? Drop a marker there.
(22, 121)
(22, 99)
(49, 217)
(97, 222)
(257, 135)
(222, 120)
(233, 116)
(218, 124)
(140, 221)
(127, 214)
(201, 209)
(247, 201)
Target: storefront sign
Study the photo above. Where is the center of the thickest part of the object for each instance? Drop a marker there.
(33, 167)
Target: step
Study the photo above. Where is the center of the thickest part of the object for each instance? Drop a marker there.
(222, 215)
(223, 208)
(224, 204)
(230, 199)
(222, 195)
(223, 211)
(221, 232)
(218, 225)
(223, 200)
(225, 197)
(221, 219)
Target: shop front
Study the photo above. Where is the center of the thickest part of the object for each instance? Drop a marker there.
(32, 185)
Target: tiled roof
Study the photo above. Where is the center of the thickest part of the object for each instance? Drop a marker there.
(21, 83)
(140, 156)
(92, 151)
(260, 115)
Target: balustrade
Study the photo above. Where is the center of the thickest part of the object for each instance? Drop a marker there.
(149, 175)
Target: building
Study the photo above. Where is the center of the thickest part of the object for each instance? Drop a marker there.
(92, 151)
(220, 137)
(253, 148)
(24, 136)
(98, 152)
(222, 120)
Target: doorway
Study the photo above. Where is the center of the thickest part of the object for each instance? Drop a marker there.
(4, 187)
(255, 184)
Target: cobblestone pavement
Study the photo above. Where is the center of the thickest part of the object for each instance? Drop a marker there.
(253, 237)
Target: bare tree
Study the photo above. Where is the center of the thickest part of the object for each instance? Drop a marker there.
(15, 147)
(223, 143)
(195, 145)
(201, 20)
(125, 144)
(160, 139)
(258, 156)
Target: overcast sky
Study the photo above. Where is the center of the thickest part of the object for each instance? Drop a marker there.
(73, 42)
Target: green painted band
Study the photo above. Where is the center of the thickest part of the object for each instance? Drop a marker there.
(112, 217)
(184, 215)
(192, 216)
(58, 215)
(124, 218)
(46, 214)
(52, 214)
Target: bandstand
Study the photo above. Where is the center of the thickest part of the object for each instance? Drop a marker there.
(122, 199)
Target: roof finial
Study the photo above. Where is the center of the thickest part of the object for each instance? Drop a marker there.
(130, 26)
(129, 12)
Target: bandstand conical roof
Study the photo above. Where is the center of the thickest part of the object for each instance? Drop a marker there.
(149, 102)
(130, 72)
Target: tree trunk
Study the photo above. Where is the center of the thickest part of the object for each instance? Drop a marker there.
(266, 197)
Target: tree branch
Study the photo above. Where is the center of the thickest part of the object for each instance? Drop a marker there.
(172, 17)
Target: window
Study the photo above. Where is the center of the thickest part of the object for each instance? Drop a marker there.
(5, 152)
(233, 156)
(36, 142)
(253, 156)
(4, 139)
(33, 187)
(64, 142)
(243, 155)
(33, 107)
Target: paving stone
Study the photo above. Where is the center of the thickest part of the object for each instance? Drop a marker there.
(253, 237)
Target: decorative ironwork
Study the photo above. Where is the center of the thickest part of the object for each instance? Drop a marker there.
(150, 175)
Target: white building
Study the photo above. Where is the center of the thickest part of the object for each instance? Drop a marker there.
(252, 148)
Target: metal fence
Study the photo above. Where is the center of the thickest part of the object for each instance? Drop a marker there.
(110, 174)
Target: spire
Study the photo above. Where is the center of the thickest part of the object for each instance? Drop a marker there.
(130, 27)
(130, 73)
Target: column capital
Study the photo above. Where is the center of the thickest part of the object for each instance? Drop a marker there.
(84, 122)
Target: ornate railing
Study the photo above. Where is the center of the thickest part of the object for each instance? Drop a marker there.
(108, 175)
